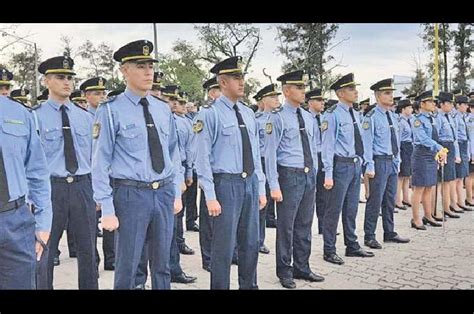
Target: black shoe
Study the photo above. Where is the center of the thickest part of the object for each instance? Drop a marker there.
(359, 253)
(451, 215)
(394, 211)
(194, 228)
(109, 266)
(468, 204)
(413, 225)
(288, 283)
(185, 249)
(56, 261)
(396, 239)
(72, 254)
(431, 223)
(312, 277)
(333, 258)
(406, 204)
(436, 218)
(401, 207)
(206, 268)
(373, 244)
(264, 250)
(99, 234)
(183, 278)
(140, 287)
(362, 201)
(455, 210)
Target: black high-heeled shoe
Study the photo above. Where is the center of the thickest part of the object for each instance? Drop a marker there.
(436, 218)
(401, 207)
(431, 223)
(413, 225)
(451, 215)
(406, 203)
(464, 208)
(468, 203)
(455, 210)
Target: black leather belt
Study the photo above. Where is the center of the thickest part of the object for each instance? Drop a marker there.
(293, 169)
(155, 185)
(70, 179)
(383, 157)
(242, 175)
(13, 204)
(351, 160)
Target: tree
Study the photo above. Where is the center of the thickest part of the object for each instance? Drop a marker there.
(99, 58)
(463, 46)
(22, 65)
(252, 85)
(418, 83)
(226, 40)
(67, 49)
(445, 39)
(307, 47)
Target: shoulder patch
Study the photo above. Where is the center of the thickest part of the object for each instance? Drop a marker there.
(96, 130)
(269, 128)
(366, 125)
(198, 126)
(417, 123)
(332, 108)
(324, 126)
(370, 113)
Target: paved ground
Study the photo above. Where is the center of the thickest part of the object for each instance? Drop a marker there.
(432, 260)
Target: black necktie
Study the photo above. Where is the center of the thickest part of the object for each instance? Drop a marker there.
(393, 136)
(359, 147)
(411, 130)
(4, 193)
(69, 151)
(247, 157)
(465, 126)
(452, 130)
(318, 118)
(434, 131)
(308, 160)
(154, 144)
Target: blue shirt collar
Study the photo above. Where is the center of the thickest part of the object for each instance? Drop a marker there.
(227, 102)
(290, 107)
(134, 98)
(343, 106)
(314, 114)
(381, 109)
(56, 106)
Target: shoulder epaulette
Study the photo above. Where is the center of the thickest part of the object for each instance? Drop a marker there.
(108, 100)
(370, 113)
(332, 108)
(276, 110)
(19, 102)
(161, 99)
(80, 107)
(258, 114)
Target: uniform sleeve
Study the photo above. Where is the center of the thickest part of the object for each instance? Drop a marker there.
(272, 141)
(258, 161)
(314, 143)
(102, 160)
(203, 142)
(173, 147)
(368, 140)
(37, 175)
(189, 152)
(397, 158)
(329, 143)
(457, 153)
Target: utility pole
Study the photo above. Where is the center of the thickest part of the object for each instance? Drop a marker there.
(436, 61)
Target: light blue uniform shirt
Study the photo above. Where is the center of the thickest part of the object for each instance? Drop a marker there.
(405, 124)
(185, 138)
(338, 135)
(51, 132)
(24, 160)
(283, 147)
(262, 118)
(422, 130)
(219, 144)
(447, 129)
(376, 134)
(460, 120)
(317, 130)
(122, 151)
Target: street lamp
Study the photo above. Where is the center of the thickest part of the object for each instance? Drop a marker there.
(33, 44)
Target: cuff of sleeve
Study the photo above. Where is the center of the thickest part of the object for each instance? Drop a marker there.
(107, 207)
(328, 174)
(370, 168)
(274, 186)
(261, 188)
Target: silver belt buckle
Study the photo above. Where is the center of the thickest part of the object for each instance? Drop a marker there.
(244, 175)
(355, 159)
(306, 169)
(155, 185)
(70, 179)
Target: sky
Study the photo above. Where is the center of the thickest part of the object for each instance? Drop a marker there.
(371, 51)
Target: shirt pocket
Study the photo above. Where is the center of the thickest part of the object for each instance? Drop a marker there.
(84, 138)
(382, 130)
(346, 127)
(17, 137)
(133, 138)
(292, 134)
(52, 139)
(228, 133)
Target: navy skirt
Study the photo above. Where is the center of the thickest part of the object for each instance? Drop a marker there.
(471, 168)
(406, 151)
(424, 167)
(462, 169)
(450, 165)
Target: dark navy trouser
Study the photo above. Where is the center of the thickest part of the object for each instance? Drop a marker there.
(205, 231)
(190, 203)
(295, 218)
(321, 195)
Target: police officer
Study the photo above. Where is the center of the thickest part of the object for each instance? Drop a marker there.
(43, 97)
(205, 223)
(448, 138)
(382, 160)
(5, 82)
(291, 168)
(137, 147)
(156, 86)
(342, 153)
(267, 99)
(115, 92)
(405, 122)
(363, 105)
(470, 128)
(66, 133)
(20, 95)
(427, 153)
(315, 102)
(23, 170)
(78, 98)
(229, 171)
